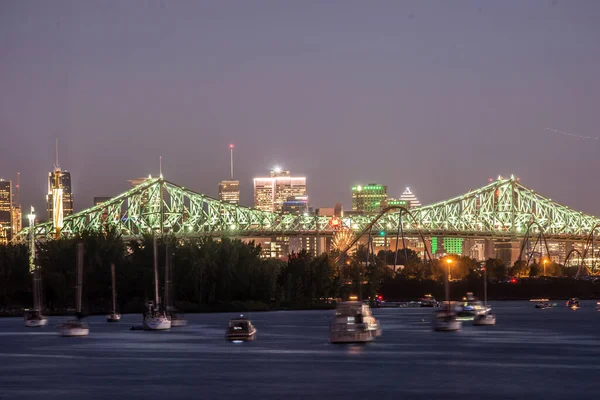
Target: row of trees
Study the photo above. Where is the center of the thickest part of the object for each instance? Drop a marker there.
(208, 273)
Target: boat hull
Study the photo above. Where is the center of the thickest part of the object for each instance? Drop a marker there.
(450, 326)
(72, 332)
(485, 320)
(156, 324)
(241, 336)
(113, 318)
(36, 323)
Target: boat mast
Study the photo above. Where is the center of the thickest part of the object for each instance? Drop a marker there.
(155, 246)
(485, 288)
(114, 292)
(167, 298)
(79, 275)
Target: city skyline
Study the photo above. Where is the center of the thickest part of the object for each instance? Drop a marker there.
(442, 109)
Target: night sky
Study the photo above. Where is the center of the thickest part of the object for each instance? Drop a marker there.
(436, 95)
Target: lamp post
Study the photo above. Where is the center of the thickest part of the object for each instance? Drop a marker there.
(545, 262)
(31, 218)
(447, 286)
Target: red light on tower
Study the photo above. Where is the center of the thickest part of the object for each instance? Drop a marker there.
(231, 146)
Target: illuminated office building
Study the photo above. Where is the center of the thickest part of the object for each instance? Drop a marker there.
(270, 193)
(6, 211)
(369, 198)
(229, 191)
(410, 198)
(64, 183)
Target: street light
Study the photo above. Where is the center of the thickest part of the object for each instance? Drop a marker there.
(447, 283)
(545, 262)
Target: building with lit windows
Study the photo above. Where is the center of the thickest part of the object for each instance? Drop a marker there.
(270, 193)
(410, 198)
(369, 198)
(295, 205)
(6, 211)
(229, 191)
(396, 202)
(64, 183)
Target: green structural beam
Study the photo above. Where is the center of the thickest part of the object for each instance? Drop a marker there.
(502, 209)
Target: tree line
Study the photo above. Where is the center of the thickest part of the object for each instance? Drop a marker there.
(211, 274)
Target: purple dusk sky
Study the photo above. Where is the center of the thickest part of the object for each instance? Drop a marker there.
(436, 95)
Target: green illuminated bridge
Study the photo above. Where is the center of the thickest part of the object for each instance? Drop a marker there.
(503, 209)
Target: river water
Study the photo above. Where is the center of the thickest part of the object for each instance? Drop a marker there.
(530, 353)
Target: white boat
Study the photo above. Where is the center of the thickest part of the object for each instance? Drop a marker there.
(154, 318)
(34, 319)
(598, 306)
(76, 327)
(445, 320)
(486, 318)
(240, 329)
(114, 316)
(470, 307)
(353, 323)
(156, 321)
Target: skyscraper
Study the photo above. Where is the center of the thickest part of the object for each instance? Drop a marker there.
(229, 190)
(17, 215)
(369, 198)
(6, 211)
(64, 183)
(410, 198)
(270, 193)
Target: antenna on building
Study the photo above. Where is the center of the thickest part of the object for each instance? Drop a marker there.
(231, 159)
(160, 166)
(56, 166)
(18, 194)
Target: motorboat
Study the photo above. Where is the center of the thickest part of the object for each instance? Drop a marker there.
(445, 320)
(34, 319)
(428, 301)
(469, 307)
(240, 329)
(573, 303)
(114, 316)
(353, 323)
(155, 319)
(487, 318)
(598, 306)
(76, 327)
(543, 304)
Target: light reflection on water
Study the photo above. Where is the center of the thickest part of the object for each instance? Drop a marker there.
(292, 358)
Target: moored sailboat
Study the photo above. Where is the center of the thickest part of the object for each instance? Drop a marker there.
(487, 318)
(76, 327)
(154, 318)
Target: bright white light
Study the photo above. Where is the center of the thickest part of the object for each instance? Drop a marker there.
(232, 226)
(277, 169)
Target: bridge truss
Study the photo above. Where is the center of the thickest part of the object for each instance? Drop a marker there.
(503, 209)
